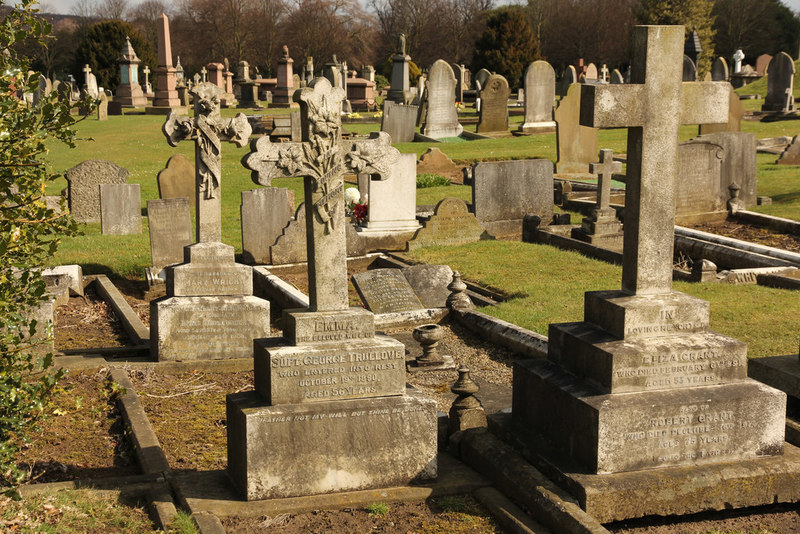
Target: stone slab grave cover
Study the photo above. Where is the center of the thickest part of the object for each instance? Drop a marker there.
(177, 179)
(642, 383)
(780, 84)
(209, 311)
(493, 115)
(330, 377)
(576, 143)
(399, 121)
(540, 98)
(504, 192)
(441, 119)
(84, 186)
(430, 283)
(120, 209)
(601, 227)
(265, 213)
(170, 226)
(450, 224)
(386, 291)
(392, 204)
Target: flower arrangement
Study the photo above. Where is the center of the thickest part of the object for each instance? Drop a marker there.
(355, 207)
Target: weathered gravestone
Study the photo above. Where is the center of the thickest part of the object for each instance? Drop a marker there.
(739, 165)
(102, 108)
(642, 383)
(591, 73)
(719, 70)
(689, 70)
(442, 117)
(386, 291)
(616, 77)
(780, 84)
(392, 204)
(265, 213)
(170, 224)
(120, 209)
(450, 224)
(540, 98)
(790, 156)
(481, 76)
(698, 193)
(569, 77)
(84, 186)
(177, 180)
(458, 71)
(762, 63)
(576, 143)
(434, 161)
(330, 375)
(493, 116)
(601, 227)
(209, 311)
(399, 121)
(504, 192)
(735, 114)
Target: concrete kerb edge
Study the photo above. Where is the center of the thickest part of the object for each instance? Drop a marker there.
(131, 322)
(208, 523)
(511, 336)
(149, 453)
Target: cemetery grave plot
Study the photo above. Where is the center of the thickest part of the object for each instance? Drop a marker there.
(87, 322)
(752, 233)
(85, 413)
(298, 277)
(453, 515)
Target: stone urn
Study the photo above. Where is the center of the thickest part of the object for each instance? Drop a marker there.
(428, 335)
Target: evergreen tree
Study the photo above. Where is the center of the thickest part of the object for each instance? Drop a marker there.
(101, 46)
(507, 45)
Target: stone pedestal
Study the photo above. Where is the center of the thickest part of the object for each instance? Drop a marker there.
(331, 379)
(248, 94)
(642, 383)
(399, 83)
(209, 311)
(601, 229)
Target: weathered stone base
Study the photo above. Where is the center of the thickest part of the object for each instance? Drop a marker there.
(506, 229)
(612, 433)
(666, 491)
(308, 449)
(206, 328)
(610, 241)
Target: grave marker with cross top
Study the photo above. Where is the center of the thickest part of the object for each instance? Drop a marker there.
(605, 171)
(653, 107)
(322, 159)
(208, 129)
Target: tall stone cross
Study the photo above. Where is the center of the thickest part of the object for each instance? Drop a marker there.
(605, 172)
(86, 71)
(653, 107)
(208, 129)
(322, 159)
(146, 71)
(204, 72)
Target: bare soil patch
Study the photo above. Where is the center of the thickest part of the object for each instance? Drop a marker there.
(87, 322)
(447, 515)
(752, 233)
(86, 436)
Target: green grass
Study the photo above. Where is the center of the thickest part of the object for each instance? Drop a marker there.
(74, 512)
(377, 508)
(548, 285)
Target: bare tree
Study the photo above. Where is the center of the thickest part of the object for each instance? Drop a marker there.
(112, 9)
(269, 15)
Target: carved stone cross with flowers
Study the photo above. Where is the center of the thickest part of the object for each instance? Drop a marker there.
(322, 159)
(208, 129)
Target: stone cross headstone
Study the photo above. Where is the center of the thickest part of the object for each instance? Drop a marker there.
(738, 56)
(170, 224)
(442, 117)
(120, 209)
(148, 89)
(204, 74)
(540, 97)
(322, 159)
(493, 116)
(84, 186)
(208, 129)
(90, 82)
(719, 70)
(658, 398)
(652, 107)
(602, 228)
(604, 73)
(332, 374)
(780, 84)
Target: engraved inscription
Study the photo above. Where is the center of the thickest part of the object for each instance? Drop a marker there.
(343, 414)
(386, 291)
(335, 329)
(681, 369)
(210, 335)
(657, 328)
